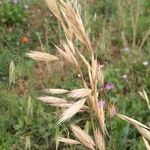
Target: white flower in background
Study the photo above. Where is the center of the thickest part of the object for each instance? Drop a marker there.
(125, 76)
(0, 2)
(126, 49)
(79, 75)
(26, 6)
(145, 63)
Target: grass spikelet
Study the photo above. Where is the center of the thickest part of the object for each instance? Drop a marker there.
(75, 23)
(70, 44)
(143, 94)
(79, 93)
(100, 144)
(52, 100)
(100, 75)
(56, 91)
(70, 53)
(65, 55)
(52, 5)
(144, 132)
(83, 137)
(132, 121)
(84, 60)
(68, 141)
(40, 56)
(94, 69)
(72, 110)
(146, 143)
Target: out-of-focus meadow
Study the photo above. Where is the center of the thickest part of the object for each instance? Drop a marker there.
(120, 35)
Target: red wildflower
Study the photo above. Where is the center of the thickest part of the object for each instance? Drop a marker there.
(24, 39)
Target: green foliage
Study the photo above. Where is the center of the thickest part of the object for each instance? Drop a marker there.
(12, 14)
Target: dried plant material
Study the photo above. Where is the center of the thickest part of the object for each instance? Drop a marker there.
(56, 91)
(100, 75)
(83, 137)
(52, 100)
(42, 74)
(71, 46)
(79, 93)
(69, 53)
(90, 78)
(72, 110)
(101, 119)
(22, 86)
(67, 105)
(132, 121)
(146, 143)
(52, 4)
(74, 22)
(66, 56)
(40, 56)
(99, 140)
(144, 132)
(94, 69)
(84, 60)
(143, 94)
(68, 141)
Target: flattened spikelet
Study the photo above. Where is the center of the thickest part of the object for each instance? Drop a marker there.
(100, 142)
(52, 5)
(52, 100)
(56, 91)
(132, 121)
(75, 23)
(143, 94)
(65, 55)
(100, 75)
(79, 93)
(40, 56)
(68, 141)
(72, 110)
(83, 137)
(84, 60)
(70, 53)
(146, 143)
(144, 132)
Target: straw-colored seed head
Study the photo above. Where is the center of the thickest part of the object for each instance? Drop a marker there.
(144, 132)
(52, 100)
(132, 121)
(56, 91)
(72, 110)
(146, 143)
(99, 139)
(40, 56)
(68, 141)
(52, 4)
(80, 93)
(83, 137)
(74, 23)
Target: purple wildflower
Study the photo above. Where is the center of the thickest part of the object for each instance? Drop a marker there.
(109, 86)
(112, 110)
